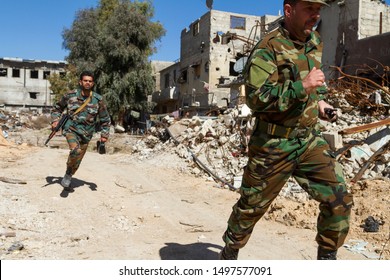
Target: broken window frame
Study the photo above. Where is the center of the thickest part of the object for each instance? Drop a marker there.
(237, 22)
(33, 94)
(15, 73)
(232, 72)
(183, 76)
(166, 80)
(34, 74)
(3, 72)
(195, 28)
(197, 71)
(46, 74)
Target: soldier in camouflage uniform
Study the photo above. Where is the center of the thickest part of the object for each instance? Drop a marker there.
(285, 90)
(80, 128)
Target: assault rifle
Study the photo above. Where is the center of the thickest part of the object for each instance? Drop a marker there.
(60, 124)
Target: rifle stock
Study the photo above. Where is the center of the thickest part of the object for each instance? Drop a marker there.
(60, 124)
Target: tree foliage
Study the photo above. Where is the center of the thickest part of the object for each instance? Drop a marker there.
(61, 84)
(115, 41)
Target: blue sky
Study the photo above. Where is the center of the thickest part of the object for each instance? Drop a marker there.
(33, 29)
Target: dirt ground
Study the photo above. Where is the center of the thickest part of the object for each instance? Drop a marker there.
(128, 207)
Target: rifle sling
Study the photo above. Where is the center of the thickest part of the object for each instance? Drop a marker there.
(84, 104)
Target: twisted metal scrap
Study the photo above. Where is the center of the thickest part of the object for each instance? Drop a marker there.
(384, 89)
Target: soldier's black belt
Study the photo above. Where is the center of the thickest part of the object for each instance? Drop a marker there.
(282, 131)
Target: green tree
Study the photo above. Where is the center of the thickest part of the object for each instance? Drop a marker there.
(115, 41)
(61, 84)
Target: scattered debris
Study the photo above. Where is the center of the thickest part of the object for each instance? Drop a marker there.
(12, 181)
(216, 148)
(8, 234)
(359, 247)
(371, 225)
(373, 158)
(16, 246)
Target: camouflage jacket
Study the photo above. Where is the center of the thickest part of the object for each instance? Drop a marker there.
(84, 123)
(273, 79)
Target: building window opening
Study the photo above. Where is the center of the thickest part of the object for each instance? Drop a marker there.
(62, 74)
(237, 22)
(196, 71)
(15, 73)
(46, 75)
(34, 74)
(3, 72)
(195, 28)
(33, 95)
(183, 77)
(166, 80)
(232, 71)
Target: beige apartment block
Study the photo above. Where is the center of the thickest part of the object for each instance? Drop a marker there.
(211, 59)
(24, 83)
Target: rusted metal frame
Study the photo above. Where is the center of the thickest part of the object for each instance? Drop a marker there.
(365, 127)
(367, 164)
(384, 89)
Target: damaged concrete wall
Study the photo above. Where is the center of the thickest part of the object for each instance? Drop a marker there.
(167, 92)
(157, 66)
(355, 33)
(207, 58)
(24, 82)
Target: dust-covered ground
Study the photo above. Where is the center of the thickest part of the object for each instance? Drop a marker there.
(128, 207)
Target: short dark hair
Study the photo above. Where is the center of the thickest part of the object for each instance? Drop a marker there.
(290, 2)
(87, 73)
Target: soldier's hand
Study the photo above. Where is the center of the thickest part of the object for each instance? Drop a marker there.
(54, 124)
(314, 79)
(103, 139)
(327, 112)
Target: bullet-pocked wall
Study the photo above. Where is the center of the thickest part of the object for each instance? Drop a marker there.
(210, 49)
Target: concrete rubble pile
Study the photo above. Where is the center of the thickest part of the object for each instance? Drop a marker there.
(215, 147)
(219, 144)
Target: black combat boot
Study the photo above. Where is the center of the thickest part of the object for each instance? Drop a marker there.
(325, 254)
(228, 253)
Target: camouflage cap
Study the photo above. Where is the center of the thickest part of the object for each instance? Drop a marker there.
(323, 2)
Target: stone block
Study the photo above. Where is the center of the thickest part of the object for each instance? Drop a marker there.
(334, 139)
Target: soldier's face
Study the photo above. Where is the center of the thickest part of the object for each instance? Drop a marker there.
(86, 83)
(301, 18)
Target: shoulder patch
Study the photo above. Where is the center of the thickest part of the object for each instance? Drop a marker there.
(259, 71)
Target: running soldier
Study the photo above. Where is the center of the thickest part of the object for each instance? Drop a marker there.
(285, 90)
(87, 111)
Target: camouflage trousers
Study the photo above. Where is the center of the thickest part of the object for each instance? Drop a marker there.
(78, 149)
(272, 161)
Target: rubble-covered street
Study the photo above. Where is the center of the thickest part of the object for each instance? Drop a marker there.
(211, 151)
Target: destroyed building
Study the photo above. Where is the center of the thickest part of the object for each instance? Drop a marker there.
(214, 47)
(166, 92)
(205, 79)
(211, 48)
(24, 83)
(356, 34)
